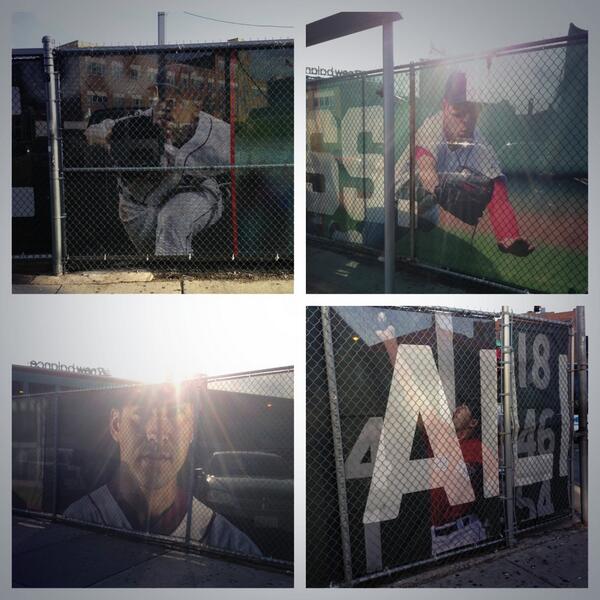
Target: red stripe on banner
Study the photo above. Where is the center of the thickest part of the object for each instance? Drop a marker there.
(234, 222)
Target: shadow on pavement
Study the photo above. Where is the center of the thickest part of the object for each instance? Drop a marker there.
(47, 554)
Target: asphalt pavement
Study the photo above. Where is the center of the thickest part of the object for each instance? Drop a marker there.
(49, 555)
(339, 272)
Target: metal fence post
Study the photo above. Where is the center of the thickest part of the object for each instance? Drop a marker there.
(199, 396)
(55, 457)
(54, 156)
(582, 368)
(388, 157)
(412, 160)
(571, 414)
(336, 431)
(364, 142)
(232, 69)
(509, 472)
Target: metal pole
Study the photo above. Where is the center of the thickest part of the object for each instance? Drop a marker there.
(199, 396)
(412, 162)
(509, 472)
(232, 116)
(161, 28)
(53, 158)
(55, 457)
(364, 144)
(388, 157)
(571, 414)
(582, 369)
(336, 431)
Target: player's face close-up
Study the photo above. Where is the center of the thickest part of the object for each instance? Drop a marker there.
(459, 121)
(154, 437)
(178, 117)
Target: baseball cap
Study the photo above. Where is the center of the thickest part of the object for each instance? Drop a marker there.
(456, 88)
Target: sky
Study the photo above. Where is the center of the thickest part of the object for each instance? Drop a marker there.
(453, 27)
(154, 338)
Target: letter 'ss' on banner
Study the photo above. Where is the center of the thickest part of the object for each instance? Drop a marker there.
(418, 402)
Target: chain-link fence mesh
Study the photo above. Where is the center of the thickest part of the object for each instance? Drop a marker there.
(500, 159)
(173, 158)
(404, 436)
(174, 461)
(30, 190)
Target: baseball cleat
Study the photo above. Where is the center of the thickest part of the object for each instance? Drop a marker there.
(516, 247)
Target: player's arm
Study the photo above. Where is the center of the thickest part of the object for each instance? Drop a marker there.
(99, 134)
(427, 169)
(387, 334)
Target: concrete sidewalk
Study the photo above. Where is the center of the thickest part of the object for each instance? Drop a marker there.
(554, 558)
(46, 554)
(145, 282)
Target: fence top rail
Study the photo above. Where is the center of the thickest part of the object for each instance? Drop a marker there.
(245, 374)
(104, 388)
(228, 45)
(557, 42)
(135, 384)
(27, 52)
(541, 319)
(462, 312)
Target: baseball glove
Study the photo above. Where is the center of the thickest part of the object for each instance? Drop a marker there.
(465, 194)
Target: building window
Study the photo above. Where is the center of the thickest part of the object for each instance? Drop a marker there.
(117, 70)
(134, 72)
(99, 98)
(95, 68)
(152, 75)
(136, 101)
(170, 78)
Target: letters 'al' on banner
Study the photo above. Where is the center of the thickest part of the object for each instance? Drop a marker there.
(418, 401)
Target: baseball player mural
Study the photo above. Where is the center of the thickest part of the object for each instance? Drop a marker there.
(153, 433)
(457, 170)
(163, 214)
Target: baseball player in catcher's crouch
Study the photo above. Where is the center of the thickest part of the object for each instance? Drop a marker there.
(162, 213)
(153, 435)
(459, 171)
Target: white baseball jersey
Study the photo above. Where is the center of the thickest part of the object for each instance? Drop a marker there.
(101, 508)
(476, 155)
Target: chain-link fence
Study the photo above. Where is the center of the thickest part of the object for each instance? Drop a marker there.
(490, 165)
(167, 461)
(31, 233)
(405, 436)
(176, 157)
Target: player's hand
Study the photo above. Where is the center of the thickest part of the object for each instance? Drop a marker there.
(99, 133)
(386, 332)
